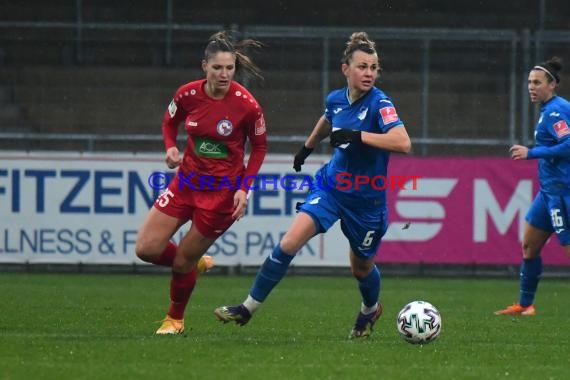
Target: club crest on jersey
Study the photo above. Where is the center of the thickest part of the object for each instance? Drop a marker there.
(362, 113)
(225, 127)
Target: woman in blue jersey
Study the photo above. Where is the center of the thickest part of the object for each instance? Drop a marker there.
(364, 127)
(550, 210)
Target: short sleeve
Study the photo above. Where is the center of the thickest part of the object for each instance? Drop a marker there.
(387, 115)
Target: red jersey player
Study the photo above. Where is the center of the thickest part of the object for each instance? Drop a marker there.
(219, 116)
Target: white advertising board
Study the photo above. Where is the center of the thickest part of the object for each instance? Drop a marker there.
(77, 208)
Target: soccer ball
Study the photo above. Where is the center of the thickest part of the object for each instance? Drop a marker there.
(419, 322)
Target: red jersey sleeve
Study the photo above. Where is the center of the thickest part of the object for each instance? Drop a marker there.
(256, 133)
(172, 118)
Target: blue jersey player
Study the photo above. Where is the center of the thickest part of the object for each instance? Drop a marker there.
(550, 210)
(364, 127)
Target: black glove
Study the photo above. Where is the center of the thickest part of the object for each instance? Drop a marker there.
(300, 157)
(343, 136)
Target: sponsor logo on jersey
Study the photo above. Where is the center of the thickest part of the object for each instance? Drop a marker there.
(172, 109)
(210, 148)
(388, 114)
(561, 128)
(225, 127)
(260, 126)
(192, 123)
(337, 110)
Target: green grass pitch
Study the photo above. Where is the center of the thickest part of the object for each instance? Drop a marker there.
(95, 326)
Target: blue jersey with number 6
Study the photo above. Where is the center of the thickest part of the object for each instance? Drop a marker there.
(374, 112)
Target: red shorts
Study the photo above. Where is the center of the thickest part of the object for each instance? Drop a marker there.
(210, 211)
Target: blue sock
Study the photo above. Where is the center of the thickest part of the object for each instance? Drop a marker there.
(370, 287)
(270, 273)
(531, 269)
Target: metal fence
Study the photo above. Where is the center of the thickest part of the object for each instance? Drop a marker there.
(71, 85)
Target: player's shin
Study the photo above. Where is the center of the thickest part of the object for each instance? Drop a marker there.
(369, 287)
(531, 269)
(181, 287)
(166, 258)
(270, 273)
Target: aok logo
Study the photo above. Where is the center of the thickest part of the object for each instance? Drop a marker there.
(410, 209)
(486, 209)
(210, 148)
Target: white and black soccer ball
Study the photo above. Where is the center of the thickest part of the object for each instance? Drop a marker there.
(419, 322)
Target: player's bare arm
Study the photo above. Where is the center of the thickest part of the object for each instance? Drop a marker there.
(395, 140)
(321, 131)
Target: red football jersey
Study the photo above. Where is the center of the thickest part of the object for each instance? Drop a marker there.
(217, 132)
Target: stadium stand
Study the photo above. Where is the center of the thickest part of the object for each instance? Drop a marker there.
(56, 78)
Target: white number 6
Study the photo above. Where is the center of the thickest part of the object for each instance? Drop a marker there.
(367, 242)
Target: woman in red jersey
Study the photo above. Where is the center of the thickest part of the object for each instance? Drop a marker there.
(219, 116)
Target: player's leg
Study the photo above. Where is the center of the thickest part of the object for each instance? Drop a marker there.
(184, 272)
(316, 215)
(207, 226)
(272, 270)
(368, 277)
(153, 240)
(531, 267)
(537, 230)
(364, 239)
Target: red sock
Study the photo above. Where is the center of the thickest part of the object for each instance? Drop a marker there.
(181, 287)
(166, 258)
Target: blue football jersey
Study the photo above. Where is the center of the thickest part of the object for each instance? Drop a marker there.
(552, 137)
(374, 112)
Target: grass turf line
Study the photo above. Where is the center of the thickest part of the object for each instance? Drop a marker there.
(101, 327)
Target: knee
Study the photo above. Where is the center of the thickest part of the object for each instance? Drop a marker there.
(361, 272)
(183, 264)
(289, 246)
(356, 273)
(529, 250)
(144, 251)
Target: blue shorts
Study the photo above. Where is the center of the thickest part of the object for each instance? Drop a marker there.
(551, 213)
(362, 223)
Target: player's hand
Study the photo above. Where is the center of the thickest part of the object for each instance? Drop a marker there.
(173, 158)
(240, 204)
(343, 136)
(519, 152)
(300, 157)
